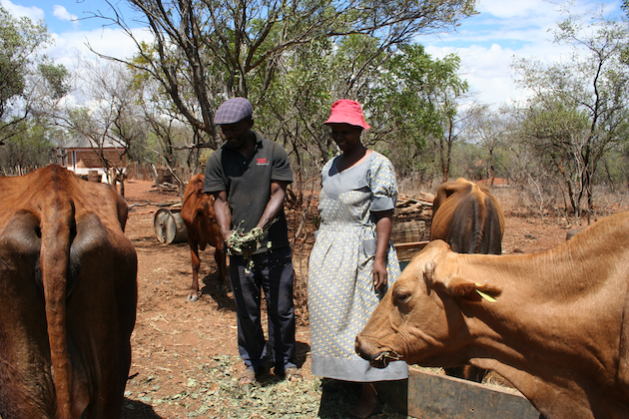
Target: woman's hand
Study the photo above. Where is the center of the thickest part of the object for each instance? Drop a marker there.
(380, 276)
(383, 232)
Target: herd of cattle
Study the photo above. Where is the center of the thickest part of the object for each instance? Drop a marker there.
(552, 323)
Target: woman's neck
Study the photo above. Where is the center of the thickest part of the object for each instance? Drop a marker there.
(352, 157)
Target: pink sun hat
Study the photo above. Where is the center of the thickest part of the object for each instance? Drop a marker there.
(347, 111)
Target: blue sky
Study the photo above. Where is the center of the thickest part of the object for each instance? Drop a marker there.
(72, 28)
(487, 43)
(65, 16)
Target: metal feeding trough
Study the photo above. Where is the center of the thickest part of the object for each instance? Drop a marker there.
(169, 226)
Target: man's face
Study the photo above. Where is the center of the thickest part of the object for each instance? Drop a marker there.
(237, 133)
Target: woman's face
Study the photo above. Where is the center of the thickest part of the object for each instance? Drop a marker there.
(346, 136)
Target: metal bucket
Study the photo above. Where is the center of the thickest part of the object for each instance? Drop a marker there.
(169, 226)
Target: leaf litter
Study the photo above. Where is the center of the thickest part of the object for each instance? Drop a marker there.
(211, 390)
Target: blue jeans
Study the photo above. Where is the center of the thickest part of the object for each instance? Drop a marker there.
(272, 272)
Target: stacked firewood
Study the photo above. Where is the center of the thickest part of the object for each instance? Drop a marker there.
(411, 223)
(414, 208)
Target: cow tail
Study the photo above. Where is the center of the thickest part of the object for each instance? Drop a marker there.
(494, 228)
(479, 225)
(57, 220)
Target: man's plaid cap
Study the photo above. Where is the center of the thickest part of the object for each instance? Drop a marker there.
(232, 111)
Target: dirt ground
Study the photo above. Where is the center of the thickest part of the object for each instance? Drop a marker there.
(185, 359)
(185, 355)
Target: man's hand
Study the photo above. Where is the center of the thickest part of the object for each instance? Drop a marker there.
(230, 233)
(245, 244)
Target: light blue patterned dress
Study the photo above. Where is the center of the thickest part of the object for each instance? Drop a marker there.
(341, 294)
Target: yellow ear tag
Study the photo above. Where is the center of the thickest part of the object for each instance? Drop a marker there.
(486, 296)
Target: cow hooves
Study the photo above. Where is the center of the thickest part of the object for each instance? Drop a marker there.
(192, 298)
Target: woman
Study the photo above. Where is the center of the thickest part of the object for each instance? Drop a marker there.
(352, 261)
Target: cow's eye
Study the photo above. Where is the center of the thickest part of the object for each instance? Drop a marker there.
(402, 295)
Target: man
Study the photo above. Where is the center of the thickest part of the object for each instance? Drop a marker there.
(248, 177)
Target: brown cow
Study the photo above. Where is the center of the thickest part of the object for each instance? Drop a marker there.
(554, 323)
(68, 290)
(197, 213)
(467, 217)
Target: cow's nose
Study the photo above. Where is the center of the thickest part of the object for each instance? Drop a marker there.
(368, 349)
(364, 348)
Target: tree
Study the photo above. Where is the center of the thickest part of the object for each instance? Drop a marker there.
(29, 148)
(28, 80)
(169, 134)
(110, 116)
(206, 50)
(419, 97)
(489, 129)
(402, 94)
(578, 108)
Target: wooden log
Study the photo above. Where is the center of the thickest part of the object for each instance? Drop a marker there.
(417, 246)
(406, 251)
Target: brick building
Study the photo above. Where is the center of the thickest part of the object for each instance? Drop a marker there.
(81, 156)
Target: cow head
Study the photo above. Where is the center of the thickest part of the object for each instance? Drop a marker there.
(423, 317)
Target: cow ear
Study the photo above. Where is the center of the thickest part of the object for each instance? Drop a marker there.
(472, 291)
(451, 188)
(429, 271)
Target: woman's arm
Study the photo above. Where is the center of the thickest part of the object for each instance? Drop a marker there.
(383, 234)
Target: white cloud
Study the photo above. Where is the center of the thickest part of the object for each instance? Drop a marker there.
(107, 41)
(488, 42)
(515, 9)
(34, 13)
(537, 11)
(487, 70)
(62, 13)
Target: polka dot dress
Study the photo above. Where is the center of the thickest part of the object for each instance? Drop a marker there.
(341, 294)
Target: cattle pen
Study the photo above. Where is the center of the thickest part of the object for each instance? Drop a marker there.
(185, 356)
